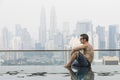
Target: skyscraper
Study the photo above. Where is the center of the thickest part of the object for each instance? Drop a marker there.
(101, 33)
(18, 30)
(96, 43)
(58, 41)
(66, 32)
(5, 37)
(84, 27)
(113, 31)
(100, 30)
(16, 44)
(42, 29)
(24, 35)
(118, 45)
(53, 24)
(26, 39)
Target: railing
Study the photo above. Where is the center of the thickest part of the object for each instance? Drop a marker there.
(53, 50)
(49, 57)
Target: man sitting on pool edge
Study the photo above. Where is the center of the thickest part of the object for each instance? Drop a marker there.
(82, 54)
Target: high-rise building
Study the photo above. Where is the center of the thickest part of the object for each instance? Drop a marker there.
(5, 38)
(58, 41)
(100, 30)
(42, 29)
(96, 43)
(118, 45)
(66, 32)
(24, 35)
(58, 44)
(26, 39)
(86, 28)
(18, 30)
(50, 45)
(113, 31)
(16, 44)
(83, 27)
(53, 24)
(101, 33)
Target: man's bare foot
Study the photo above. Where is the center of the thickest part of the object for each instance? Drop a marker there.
(67, 66)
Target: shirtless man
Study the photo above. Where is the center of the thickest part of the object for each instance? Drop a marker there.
(85, 58)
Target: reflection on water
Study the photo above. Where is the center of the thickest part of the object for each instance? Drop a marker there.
(81, 73)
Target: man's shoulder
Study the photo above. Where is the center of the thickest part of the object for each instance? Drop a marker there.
(89, 45)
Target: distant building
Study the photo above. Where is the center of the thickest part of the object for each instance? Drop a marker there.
(38, 46)
(113, 31)
(26, 39)
(58, 41)
(18, 30)
(96, 43)
(53, 24)
(66, 32)
(75, 41)
(24, 35)
(42, 29)
(49, 45)
(118, 45)
(5, 37)
(16, 44)
(84, 27)
(100, 30)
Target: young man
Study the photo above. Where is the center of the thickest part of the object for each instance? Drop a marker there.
(81, 56)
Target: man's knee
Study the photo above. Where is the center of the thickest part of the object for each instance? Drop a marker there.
(75, 53)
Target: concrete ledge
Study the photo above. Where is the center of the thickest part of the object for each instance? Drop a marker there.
(108, 60)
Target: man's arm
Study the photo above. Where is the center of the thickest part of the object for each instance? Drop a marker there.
(80, 47)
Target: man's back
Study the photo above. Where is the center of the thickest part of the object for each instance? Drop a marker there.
(89, 52)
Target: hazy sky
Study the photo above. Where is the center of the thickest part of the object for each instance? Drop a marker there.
(27, 12)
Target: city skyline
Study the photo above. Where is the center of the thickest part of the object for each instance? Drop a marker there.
(22, 39)
(27, 13)
(25, 36)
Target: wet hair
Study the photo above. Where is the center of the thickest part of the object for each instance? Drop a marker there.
(85, 36)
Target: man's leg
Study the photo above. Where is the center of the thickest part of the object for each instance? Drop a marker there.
(73, 57)
(81, 61)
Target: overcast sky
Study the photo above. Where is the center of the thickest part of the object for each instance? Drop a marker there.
(27, 12)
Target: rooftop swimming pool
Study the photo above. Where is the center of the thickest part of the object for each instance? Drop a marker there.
(96, 72)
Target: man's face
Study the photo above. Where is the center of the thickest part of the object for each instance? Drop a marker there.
(81, 39)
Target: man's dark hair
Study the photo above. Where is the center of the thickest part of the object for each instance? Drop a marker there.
(85, 36)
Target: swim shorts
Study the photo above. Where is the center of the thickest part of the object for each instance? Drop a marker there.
(81, 61)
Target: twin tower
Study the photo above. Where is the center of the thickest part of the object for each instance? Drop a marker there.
(43, 35)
